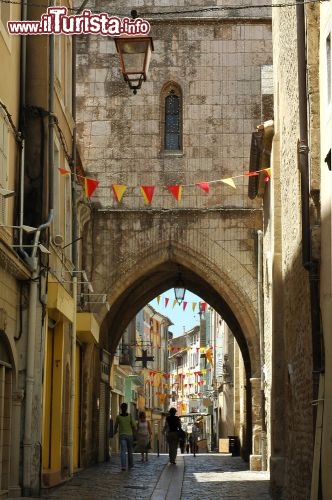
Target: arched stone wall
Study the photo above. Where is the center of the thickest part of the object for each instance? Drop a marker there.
(135, 255)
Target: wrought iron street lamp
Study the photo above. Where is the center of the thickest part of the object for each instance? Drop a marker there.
(179, 290)
(134, 57)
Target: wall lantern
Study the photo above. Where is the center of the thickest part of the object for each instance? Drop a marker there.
(179, 290)
(134, 57)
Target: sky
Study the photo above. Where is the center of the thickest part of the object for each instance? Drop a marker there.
(183, 320)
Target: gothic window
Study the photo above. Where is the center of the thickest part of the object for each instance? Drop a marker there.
(172, 118)
(172, 122)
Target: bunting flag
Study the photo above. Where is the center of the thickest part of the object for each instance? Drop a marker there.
(118, 191)
(184, 305)
(63, 171)
(193, 306)
(208, 355)
(229, 181)
(204, 185)
(166, 301)
(176, 191)
(147, 192)
(250, 174)
(203, 306)
(174, 303)
(89, 186)
(267, 172)
(158, 299)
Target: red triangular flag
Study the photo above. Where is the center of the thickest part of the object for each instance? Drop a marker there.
(90, 186)
(250, 174)
(203, 185)
(176, 191)
(147, 192)
(166, 301)
(203, 306)
(184, 305)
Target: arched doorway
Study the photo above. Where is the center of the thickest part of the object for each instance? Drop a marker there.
(164, 276)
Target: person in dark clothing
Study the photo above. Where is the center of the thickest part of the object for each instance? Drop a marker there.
(172, 426)
(182, 440)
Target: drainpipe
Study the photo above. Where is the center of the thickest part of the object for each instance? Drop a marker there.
(75, 263)
(28, 445)
(261, 342)
(22, 120)
(308, 263)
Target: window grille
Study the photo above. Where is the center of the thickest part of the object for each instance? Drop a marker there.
(172, 122)
(171, 118)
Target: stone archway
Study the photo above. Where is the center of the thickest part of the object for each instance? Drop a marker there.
(142, 259)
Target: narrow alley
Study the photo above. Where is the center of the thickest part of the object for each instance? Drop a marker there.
(204, 477)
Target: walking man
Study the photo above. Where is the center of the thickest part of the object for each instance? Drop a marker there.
(172, 427)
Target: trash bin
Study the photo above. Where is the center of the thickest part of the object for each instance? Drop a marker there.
(234, 445)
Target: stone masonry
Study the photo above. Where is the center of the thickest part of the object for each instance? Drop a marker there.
(134, 251)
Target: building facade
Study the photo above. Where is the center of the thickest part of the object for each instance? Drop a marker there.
(291, 254)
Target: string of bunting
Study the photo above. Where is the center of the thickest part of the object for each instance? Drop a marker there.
(202, 305)
(148, 192)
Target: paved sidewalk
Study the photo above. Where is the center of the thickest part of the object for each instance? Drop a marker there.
(208, 476)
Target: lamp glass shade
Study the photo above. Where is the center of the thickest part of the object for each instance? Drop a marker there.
(179, 290)
(134, 57)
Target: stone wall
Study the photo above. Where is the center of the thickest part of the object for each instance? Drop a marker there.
(289, 317)
(217, 65)
(133, 251)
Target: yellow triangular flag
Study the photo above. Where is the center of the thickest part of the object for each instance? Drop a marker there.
(118, 191)
(229, 181)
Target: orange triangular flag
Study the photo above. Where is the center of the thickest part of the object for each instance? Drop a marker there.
(63, 171)
(174, 302)
(147, 192)
(158, 299)
(267, 172)
(118, 191)
(90, 186)
(193, 306)
(208, 354)
(229, 181)
(176, 191)
(203, 185)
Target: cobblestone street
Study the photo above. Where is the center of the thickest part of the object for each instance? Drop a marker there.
(204, 477)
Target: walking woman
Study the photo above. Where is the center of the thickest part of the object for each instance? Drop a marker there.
(143, 436)
(124, 422)
(172, 426)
